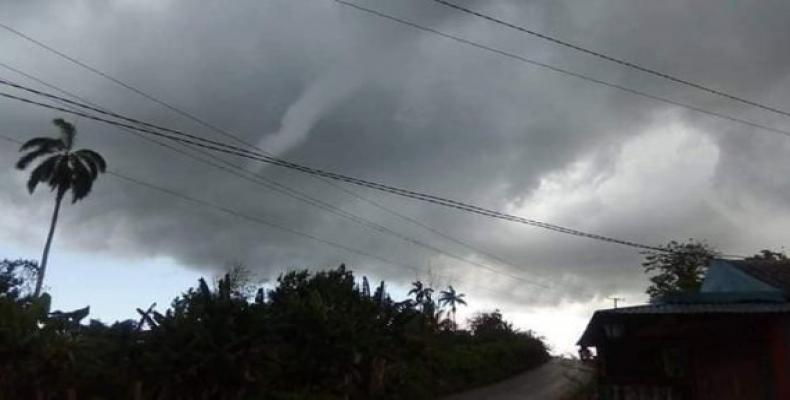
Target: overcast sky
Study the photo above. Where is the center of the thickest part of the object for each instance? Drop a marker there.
(329, 86)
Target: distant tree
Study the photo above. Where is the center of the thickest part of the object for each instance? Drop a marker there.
(422, 294)
(63, 169)
(313, 335)
(365, 287)
(241, 280)
(380, 296)
(453, 299)
(490, 325)
(769, 255)
(680, 267)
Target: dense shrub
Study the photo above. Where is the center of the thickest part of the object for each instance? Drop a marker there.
(314, 336)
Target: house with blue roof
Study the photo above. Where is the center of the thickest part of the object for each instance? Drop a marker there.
(731, 340)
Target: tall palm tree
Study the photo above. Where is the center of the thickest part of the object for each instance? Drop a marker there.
(452, 298)
(62, 169)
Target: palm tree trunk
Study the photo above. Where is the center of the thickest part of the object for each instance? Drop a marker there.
(43, 268)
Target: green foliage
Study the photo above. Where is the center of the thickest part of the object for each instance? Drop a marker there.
(483, 360)
(490, 325)
(63, 169)
(313, 336)
(16, 277)
(680, 268)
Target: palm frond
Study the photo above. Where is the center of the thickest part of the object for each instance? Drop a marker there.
(25, 160)
(94, 157)
(82, 179)
(43, 143)
(416, 287)
(66, 130)
(42, 173)
(91, 165)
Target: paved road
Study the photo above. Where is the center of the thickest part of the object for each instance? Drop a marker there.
(551, 381)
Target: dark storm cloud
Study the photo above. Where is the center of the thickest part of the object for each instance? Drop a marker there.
(334, 88)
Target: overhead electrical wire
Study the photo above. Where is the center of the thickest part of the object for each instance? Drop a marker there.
(238, 139)
(283, 189)
(433, 230)
(364, 222)
(563, 70)
(435, 199)
(235, 213)
(190, 116)
(238, 214)
(615, 60)
(193, 140)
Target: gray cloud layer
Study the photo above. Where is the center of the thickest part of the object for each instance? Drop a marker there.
(338, 89)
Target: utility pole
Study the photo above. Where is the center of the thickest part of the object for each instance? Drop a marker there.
(616, 300)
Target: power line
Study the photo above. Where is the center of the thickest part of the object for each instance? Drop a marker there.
(229, 149)
(429, 198)
(236, 138)
(283, 189)
(301, 196)
(563, 70)
(107, 76)
(458, 39)
(238, 214)
(259, 220)
(615, 60)
(270, 224)
(293, 193)
(430, 229)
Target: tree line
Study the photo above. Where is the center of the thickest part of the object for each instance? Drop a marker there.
(314, 335)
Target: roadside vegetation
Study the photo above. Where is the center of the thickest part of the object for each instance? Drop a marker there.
(322, 335)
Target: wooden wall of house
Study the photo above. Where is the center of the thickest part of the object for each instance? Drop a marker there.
(780, 358)
(733, 370)
(707, 358)
(635, 369)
